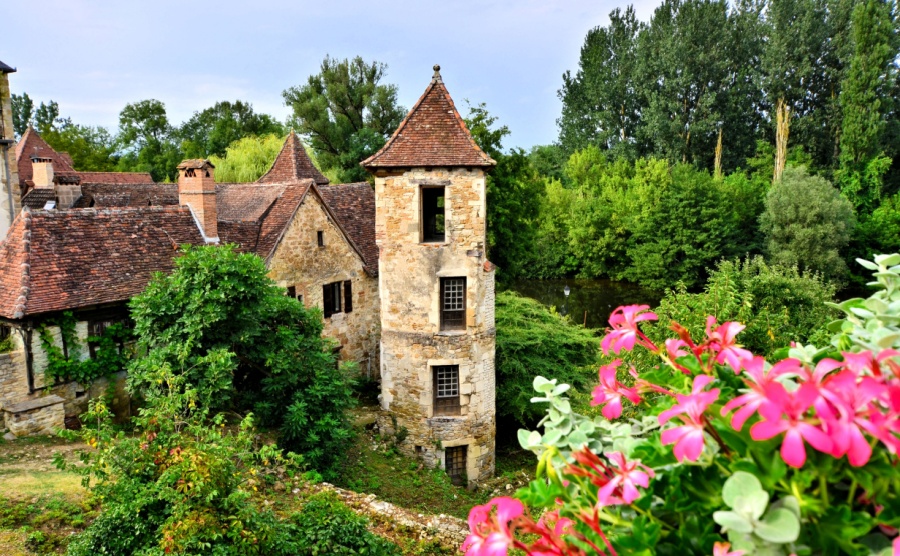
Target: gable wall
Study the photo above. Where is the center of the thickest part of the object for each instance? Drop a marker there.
(298, 261)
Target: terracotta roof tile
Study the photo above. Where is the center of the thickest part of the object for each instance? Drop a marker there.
(115, 177)
(432, 134)
(58, 260)
(293, 164)
(107, 195)
(37, 198)
(353, 205)
(245, 202)
(31, 144)
(275, 223)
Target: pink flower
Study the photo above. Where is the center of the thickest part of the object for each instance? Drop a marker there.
(627, 476)
(624, 321)
(688, 438)
(610, 392)
(866, 362)
(750, 402)
(721, 341)
(491, 536)
(852, 398)
(675, 348)
(724, 549)
(785, 414)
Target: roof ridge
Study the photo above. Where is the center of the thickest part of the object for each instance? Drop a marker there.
(25, 279)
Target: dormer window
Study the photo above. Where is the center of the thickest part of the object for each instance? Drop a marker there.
(433, 224)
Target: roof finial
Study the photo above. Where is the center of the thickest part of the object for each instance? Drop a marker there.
(437, 73)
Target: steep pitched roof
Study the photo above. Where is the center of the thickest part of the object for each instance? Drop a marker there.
(37, 198)
(78, 258)
(353, 205)
(432, 134)
(6, 69)
(31, 144)
(292, 164)
(245, 202)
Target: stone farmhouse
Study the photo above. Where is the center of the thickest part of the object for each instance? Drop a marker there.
(399, 272)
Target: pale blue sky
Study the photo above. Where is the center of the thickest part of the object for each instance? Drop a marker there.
(93, 57)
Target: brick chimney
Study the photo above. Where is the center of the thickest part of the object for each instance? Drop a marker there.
(42, 172)
(197, 190)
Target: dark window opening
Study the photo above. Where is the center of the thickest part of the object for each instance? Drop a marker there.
(320, 238)
(453, 303)
(455, 464)
(446, 389)
(348, 296)
(96, 329)
(300, 299)
(5, 331)
(331, 296)
(433, 214)
(292, 291)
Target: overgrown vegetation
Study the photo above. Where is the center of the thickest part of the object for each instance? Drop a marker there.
(535, 340)
(67, 358)
(235, 336)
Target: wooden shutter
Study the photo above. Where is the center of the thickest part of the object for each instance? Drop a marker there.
(328, 300)
(348, 296)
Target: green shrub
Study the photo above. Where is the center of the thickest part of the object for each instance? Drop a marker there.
(326, 526)
(534, 340)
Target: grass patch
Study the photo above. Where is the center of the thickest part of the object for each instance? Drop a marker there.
(402, 480)
(42, 524)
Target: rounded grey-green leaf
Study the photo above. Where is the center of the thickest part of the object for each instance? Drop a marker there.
(752, 504)
(778, 526)
(739, 484)
(732, 521)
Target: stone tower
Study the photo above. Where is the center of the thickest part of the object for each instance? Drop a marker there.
(436, 288)
(10, 199)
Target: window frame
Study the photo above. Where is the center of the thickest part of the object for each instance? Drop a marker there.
(456, 462)
(103, 323)
(332, 291)
(433, 237)
(450, 320)
(445, 405)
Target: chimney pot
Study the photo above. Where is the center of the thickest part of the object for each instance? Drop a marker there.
(197, 190)
(42, 172)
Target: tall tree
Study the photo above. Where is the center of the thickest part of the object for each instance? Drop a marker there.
(600, 106)
(91, 148)
(211, 131)
(866, 100)
(147, 138)
(346, 112)
(22, 112)
(513, 191)
(247, 159)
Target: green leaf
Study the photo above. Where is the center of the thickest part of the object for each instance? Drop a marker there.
(732, 521)
(752, 504)
(740, 483)
(543, 385)
(779, 526)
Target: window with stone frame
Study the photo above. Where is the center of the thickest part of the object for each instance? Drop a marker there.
(96, 329)
(348, 296)
(433, 223)
(453, 303)
(455, 464)
(446, 389)
(331, 298)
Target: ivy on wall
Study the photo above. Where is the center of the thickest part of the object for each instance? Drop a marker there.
(65, 362)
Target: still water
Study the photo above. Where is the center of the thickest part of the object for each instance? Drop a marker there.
(589, 301)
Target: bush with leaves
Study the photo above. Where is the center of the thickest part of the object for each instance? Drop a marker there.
(326, 526)
(533, 340)
(734, 455)
(219, 305)
(807, 224)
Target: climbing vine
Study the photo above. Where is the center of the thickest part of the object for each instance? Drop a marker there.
(65, 362)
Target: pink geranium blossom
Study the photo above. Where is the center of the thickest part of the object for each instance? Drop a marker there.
(757, 380)
(724, 549)
(610, 391)
(626, 477)
(491, 535)
(786, 414)
(624, 321)
(852, 400)
(721, 342)
(688, 438)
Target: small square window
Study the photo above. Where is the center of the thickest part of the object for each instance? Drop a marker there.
(292, 291)
(446, 389)
(433, 224)
(320, 238)
(455, 464)
(453, 303)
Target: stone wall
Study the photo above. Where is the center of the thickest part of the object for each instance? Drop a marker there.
(298, 261)
(410, 273)
(8, 184)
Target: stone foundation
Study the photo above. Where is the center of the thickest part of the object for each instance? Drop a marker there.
(43, 415)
